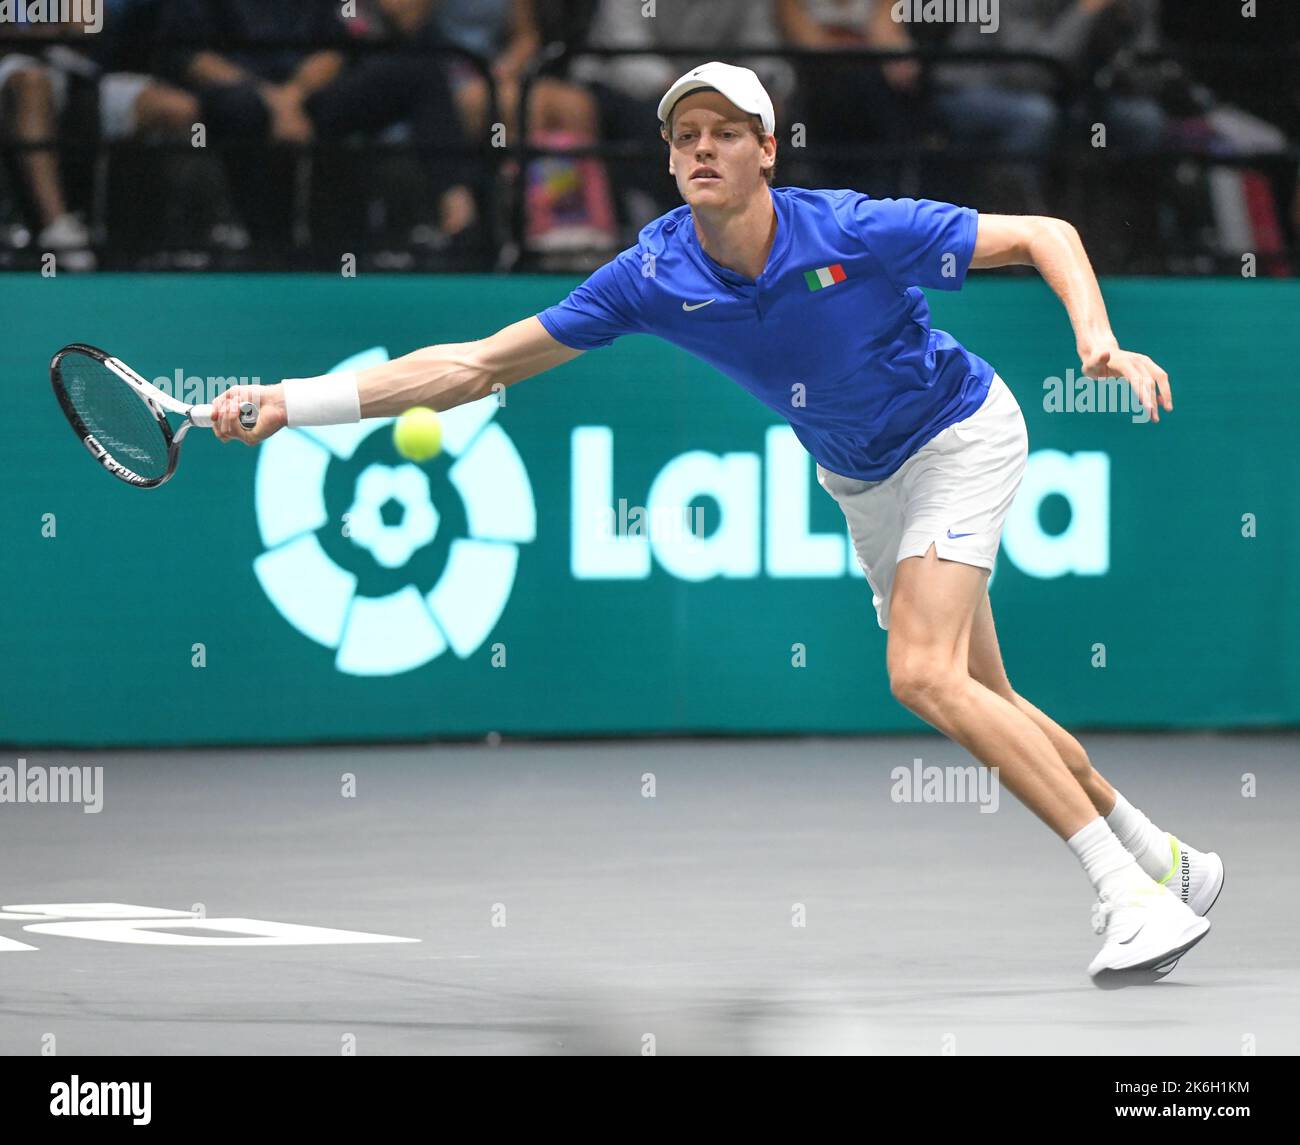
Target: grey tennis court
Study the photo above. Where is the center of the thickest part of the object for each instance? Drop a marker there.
(671, 896)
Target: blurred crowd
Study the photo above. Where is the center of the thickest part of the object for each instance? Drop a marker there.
(494, 133)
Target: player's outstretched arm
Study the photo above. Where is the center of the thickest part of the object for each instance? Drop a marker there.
(1053, 247)
(440, 377)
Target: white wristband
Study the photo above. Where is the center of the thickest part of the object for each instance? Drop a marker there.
(331, 399)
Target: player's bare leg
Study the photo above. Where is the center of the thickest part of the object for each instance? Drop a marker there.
(985, 665)
(1195, 876)
(931, 615)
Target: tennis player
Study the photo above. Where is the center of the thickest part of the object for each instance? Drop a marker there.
(811, 300)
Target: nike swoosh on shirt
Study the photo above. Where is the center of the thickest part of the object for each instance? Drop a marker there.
(697, 305)
(954, 536)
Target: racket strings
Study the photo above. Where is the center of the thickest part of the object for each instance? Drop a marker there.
(115, 414)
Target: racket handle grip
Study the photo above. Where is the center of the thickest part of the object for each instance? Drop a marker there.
(202, 415)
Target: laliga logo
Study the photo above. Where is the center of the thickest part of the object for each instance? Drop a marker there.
(765, 511)
(365, 597)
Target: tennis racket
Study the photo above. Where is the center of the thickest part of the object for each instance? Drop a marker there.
(122, 419)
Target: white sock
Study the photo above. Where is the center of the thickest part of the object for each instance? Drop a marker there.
(1111, 869)
(1142, 839)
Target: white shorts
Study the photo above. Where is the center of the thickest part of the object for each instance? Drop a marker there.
(953, 493)
(118, 92)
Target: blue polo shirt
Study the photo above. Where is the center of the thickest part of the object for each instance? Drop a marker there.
(834, 335)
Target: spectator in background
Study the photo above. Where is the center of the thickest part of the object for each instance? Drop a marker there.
(153, 200)
(568, 204)
(133, 101)
(37, 85)
(1015, 109)
(32, 95)
(503, 32)
(294, 94)
(845, 99)
(677, 36)
(567, 199)
(506, 33)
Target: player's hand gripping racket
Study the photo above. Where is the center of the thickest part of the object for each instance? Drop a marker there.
(121, 418)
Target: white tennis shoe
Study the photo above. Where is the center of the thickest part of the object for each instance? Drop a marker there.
(1194, 877)
(1146, 930)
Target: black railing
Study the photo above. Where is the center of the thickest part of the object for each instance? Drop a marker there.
(103, 154)
(1077, 167)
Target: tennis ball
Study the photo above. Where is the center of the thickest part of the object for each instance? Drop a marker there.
(417, 436)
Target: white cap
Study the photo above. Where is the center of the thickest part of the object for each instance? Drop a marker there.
(740, 85)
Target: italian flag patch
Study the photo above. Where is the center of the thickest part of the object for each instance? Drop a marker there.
(824, 276)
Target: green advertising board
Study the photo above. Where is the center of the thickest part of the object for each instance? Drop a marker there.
(319, 589)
